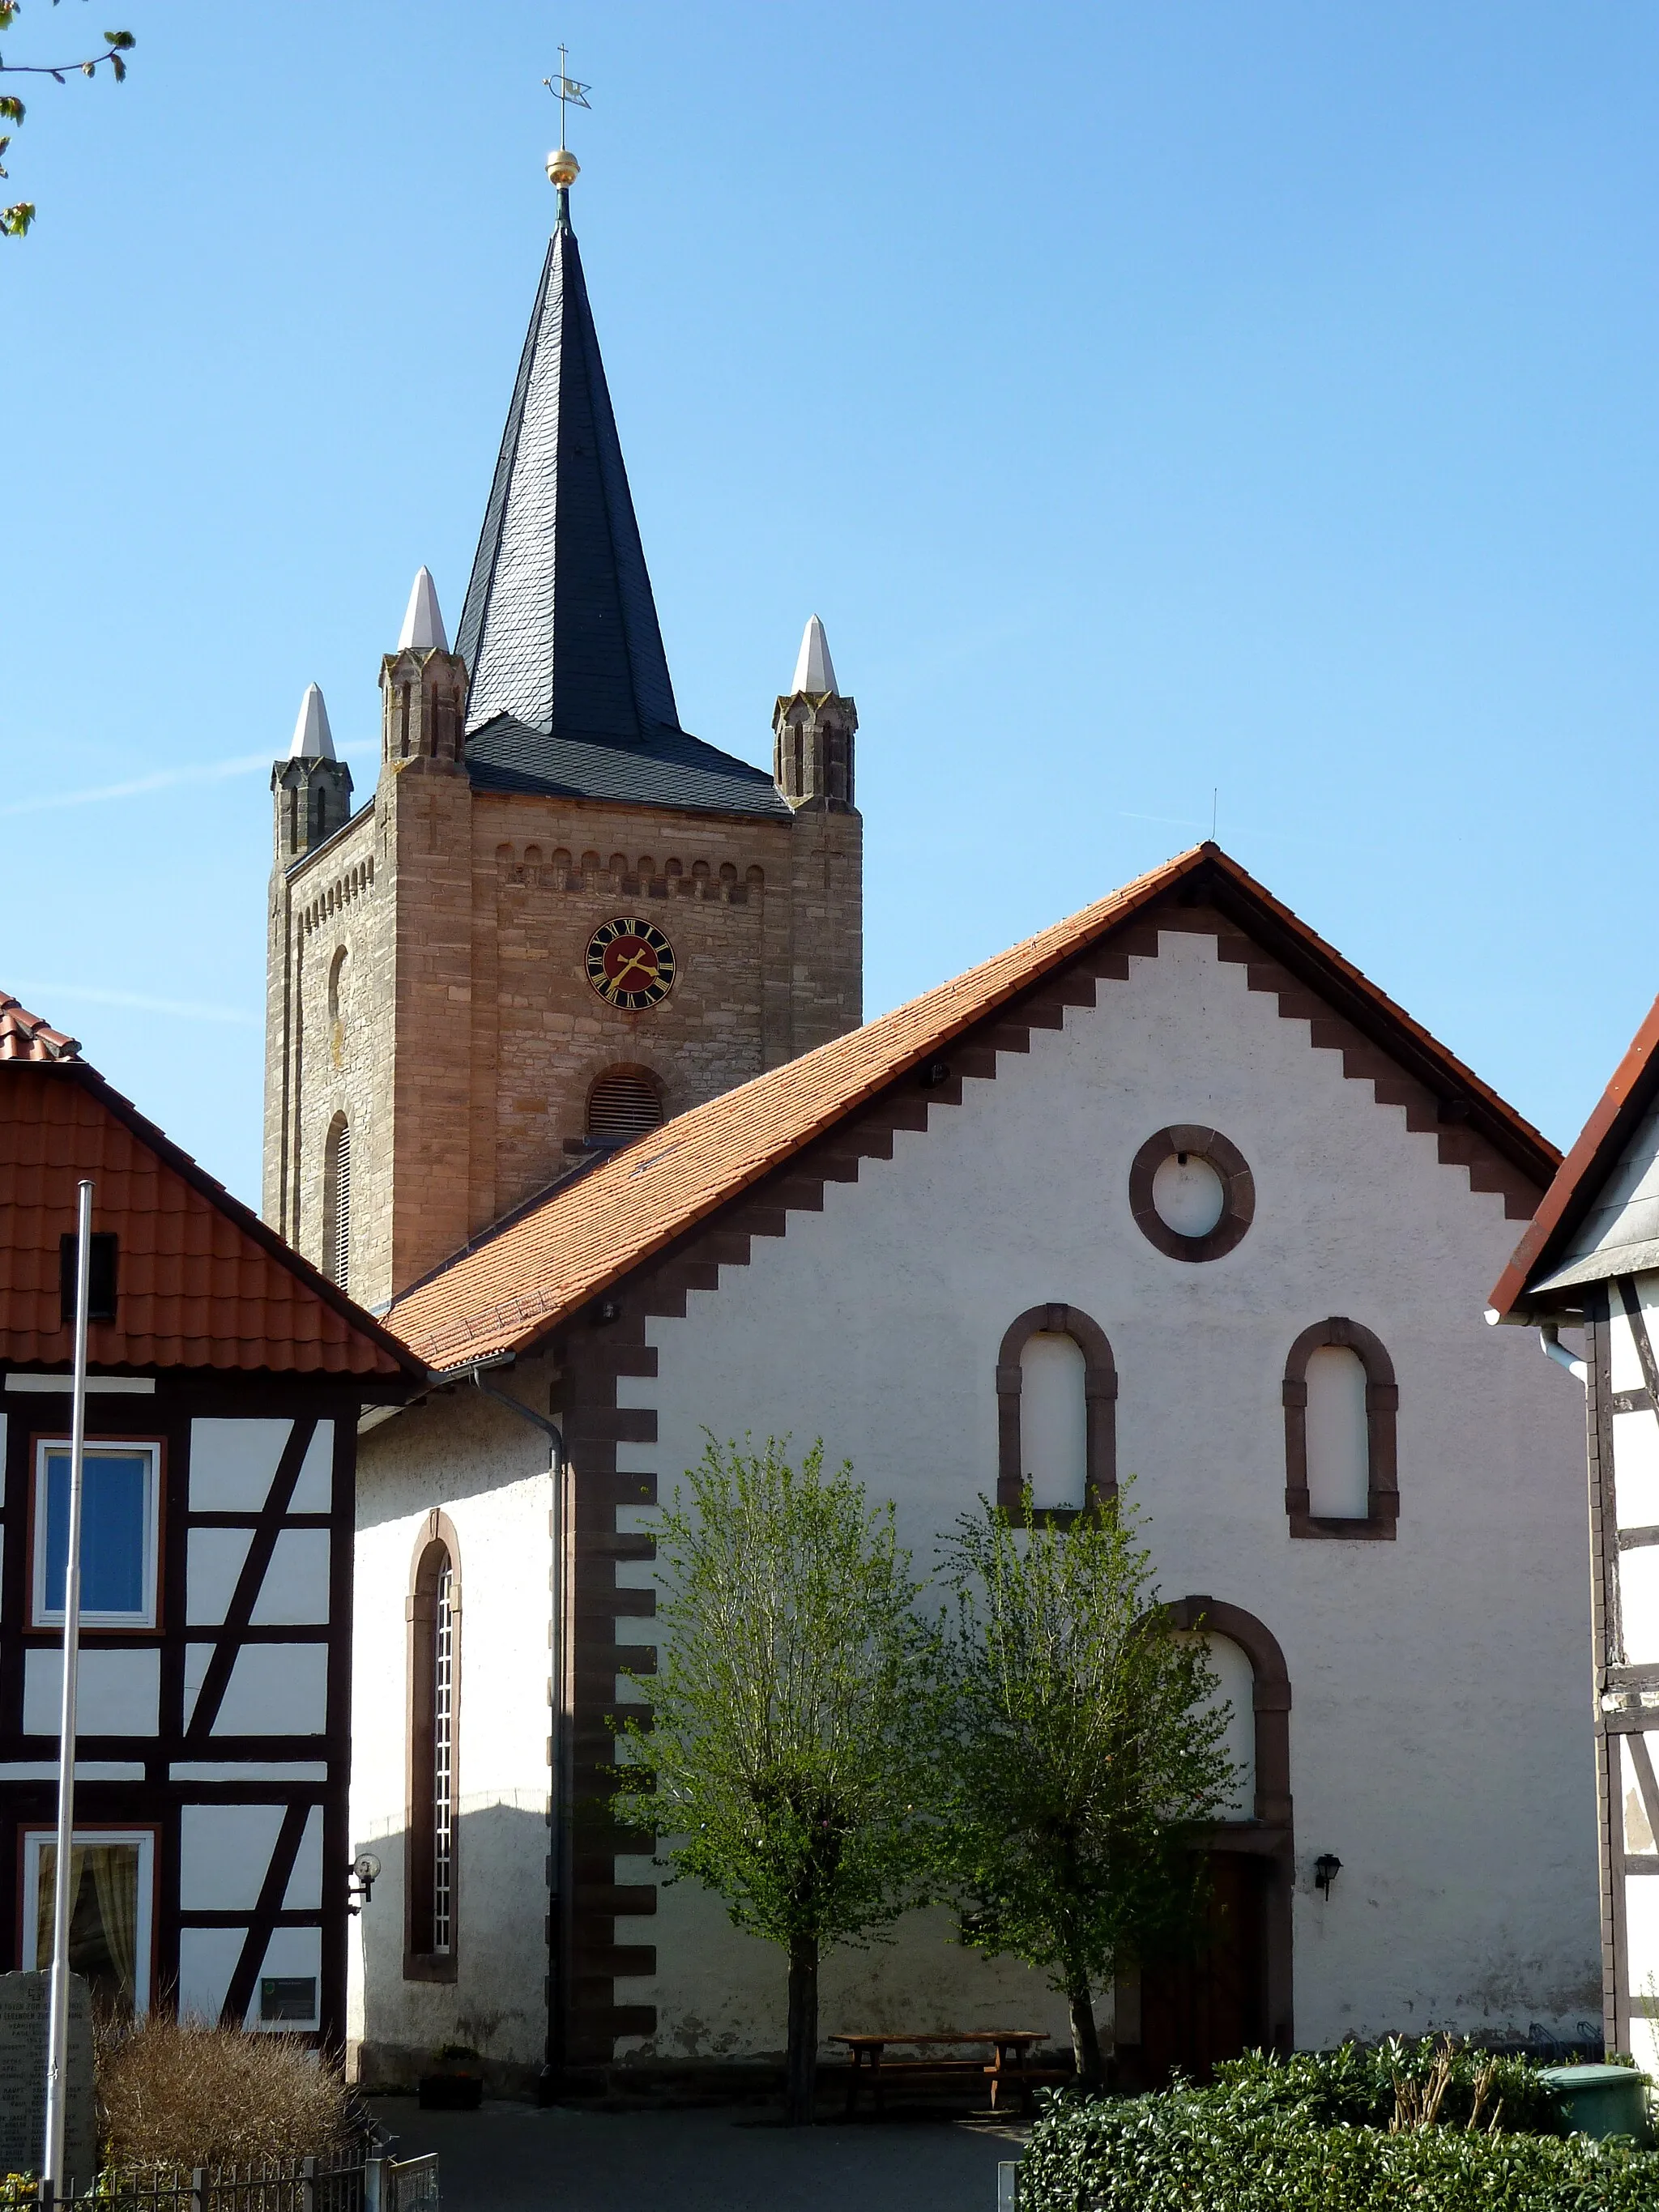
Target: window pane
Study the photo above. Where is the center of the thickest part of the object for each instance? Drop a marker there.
(1339, 1449)
(103, 1919)
(1054, 1424)
(114, 1527)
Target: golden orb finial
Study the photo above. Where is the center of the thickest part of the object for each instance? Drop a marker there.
(562, 167)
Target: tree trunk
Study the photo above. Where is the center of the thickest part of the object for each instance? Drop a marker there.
(1085, 2041)
(801, 2064)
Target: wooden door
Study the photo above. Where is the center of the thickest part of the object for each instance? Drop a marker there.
(1196, 2011)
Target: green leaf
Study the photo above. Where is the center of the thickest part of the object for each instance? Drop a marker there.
(119, 68)
(14, 221)
(11, 109)
(119, 42)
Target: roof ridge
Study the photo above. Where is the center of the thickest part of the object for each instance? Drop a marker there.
(550, 1257)
(24, 1035)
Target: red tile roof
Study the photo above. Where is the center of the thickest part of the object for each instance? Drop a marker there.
(520, 1279)
(24, 1035)
(1585, 1169)
(202, 1282)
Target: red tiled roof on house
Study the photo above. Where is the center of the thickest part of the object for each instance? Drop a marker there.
(24, 1035)
(520, 1279)
(202, 1282)
(1584, 1170)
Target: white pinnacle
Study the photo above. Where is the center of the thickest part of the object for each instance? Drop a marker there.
(814, 670)
(423, 625)
(313, 739)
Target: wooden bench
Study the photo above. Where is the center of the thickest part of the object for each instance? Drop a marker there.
(869, 2067)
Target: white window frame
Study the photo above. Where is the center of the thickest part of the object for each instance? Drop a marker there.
(43, 1616)
(34, 1841)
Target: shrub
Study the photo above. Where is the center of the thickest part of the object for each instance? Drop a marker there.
(1189, 2151)
(182, 2093)
(1432, 2126)
(1363, 2085)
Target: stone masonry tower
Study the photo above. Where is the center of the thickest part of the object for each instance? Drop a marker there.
(561, 917)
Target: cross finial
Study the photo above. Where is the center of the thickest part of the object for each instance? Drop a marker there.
(562, 167)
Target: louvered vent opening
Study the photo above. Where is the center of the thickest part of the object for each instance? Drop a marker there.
(622, 1104)
(337, 1205)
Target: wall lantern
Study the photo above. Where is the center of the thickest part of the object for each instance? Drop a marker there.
(365, 1872)
(1326, 1866)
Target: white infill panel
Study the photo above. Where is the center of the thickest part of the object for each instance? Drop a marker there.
(1635, 1469)
(198, 1657)
(293, 1957)
(294, 1591)
(116, 1692)
(1642, 1936)
(1639, 1836)
(223, 1853)
(276, 1689)
(214, 1560)
(1639, 1604)
(305, 1888)
(231, 1463)
(206, 1959)
(314, 1491)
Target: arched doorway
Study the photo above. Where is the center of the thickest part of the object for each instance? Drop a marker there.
(1235, 1996)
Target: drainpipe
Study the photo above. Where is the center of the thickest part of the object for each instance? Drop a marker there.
(1550, 1337)
(559, 1885)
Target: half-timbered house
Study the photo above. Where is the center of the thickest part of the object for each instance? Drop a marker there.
(1589, 1264)
(212, 1853)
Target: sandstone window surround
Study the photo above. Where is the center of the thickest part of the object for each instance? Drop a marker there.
(1181, 1145)
(1100, 1407)
(433, 1611)
(1379, 1521)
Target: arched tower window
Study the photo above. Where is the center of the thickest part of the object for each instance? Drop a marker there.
(337, 1203)
(434, 1617)
(623, 1103)
(1056, 1412)
(335, 981)
(1340, 1406)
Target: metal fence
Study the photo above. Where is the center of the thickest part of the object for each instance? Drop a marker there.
(366, 2176)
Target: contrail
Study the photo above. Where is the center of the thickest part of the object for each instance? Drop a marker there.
(42, 994)
(163, 779)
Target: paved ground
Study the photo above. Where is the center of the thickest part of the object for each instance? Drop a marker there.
(512, 2158)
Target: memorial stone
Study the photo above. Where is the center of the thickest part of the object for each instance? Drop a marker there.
(24, 2013)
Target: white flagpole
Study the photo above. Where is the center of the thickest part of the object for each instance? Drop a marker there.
(58, 2033)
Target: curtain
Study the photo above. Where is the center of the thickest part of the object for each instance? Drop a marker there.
(114, 1869)
(48, 1889)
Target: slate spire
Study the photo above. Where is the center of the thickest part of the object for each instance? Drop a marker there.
(560, 632)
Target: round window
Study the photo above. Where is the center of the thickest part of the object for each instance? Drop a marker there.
(1191, 1192)
(1188, 1196)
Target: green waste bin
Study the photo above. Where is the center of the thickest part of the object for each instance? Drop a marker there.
(1602, 2100)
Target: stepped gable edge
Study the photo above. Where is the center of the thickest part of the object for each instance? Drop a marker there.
(520, 1279)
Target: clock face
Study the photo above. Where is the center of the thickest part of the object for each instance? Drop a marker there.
(630, 963)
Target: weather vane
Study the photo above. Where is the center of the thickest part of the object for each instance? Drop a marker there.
(567, 91)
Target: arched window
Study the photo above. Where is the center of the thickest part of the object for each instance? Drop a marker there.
(337, 1203)
(1056, 1412)
(624, 1102)
(1341, 1403)
(1054, 1420)
(434, 1617)
(336, 978)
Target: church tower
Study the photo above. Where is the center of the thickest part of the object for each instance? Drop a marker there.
(562, 917)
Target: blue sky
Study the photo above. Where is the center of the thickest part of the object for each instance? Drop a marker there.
(1153, 402)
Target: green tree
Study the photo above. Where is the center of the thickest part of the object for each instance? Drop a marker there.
(787, 1760)
(1083, 1757)
(117, 44)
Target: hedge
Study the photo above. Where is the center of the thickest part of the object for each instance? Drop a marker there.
(1309, 2134)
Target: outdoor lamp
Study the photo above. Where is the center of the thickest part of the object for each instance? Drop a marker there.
(1326, 1866)
(365, 1872)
